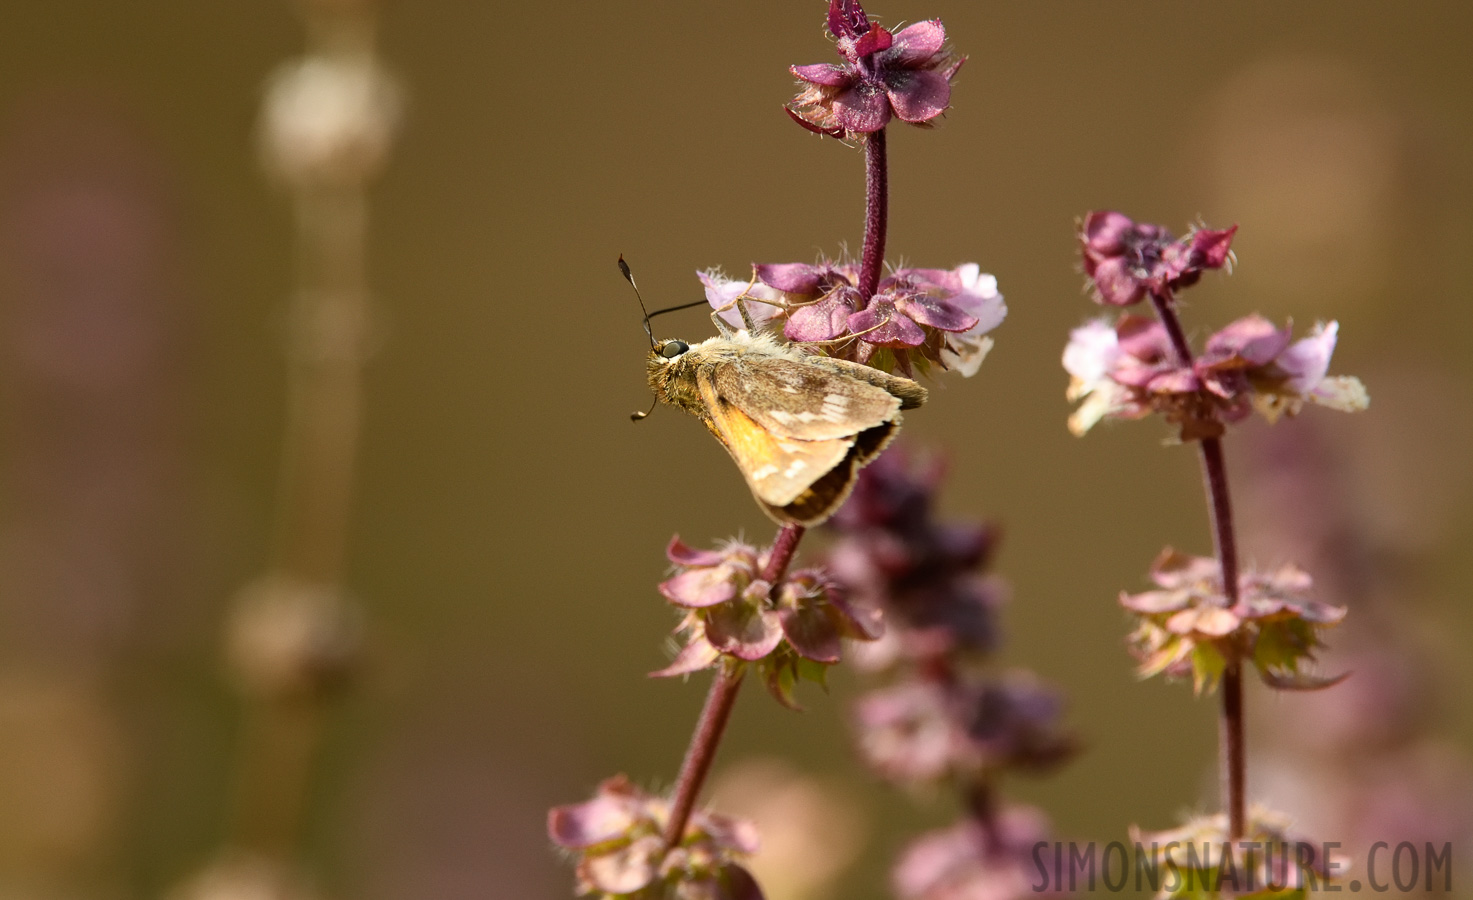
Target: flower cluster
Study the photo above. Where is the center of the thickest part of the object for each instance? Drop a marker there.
(1201, 859)
(942, 717)
(621, 852)
(1130, 369)
(917, 317)
(926, 575)
(966, 860)
(905, 75)
(1126, 260)
(921, 731)
(1189, 625)
(791, 630)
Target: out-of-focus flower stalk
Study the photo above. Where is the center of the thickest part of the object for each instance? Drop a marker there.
(328, 121)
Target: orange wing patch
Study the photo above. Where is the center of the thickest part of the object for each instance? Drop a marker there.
(778, 469)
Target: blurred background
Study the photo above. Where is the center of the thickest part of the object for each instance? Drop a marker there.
(506, 522)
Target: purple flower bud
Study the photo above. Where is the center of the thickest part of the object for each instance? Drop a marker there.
(1126, 260)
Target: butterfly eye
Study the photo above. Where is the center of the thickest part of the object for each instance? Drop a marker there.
(673, 349)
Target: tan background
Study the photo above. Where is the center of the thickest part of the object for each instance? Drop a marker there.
(510, 519)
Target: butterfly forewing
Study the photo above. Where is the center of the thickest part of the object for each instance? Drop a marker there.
(801, 400)
(778, 469)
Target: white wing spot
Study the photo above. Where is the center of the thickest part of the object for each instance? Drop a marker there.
(835, 408)
(766, 471)
(794, 468)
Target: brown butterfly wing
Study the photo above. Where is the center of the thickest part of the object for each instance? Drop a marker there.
(911, 394)
(778, 469)
(801, 400)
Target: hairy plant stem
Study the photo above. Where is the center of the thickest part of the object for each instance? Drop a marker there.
(1232, 759)
(876, 213)
(719, 702)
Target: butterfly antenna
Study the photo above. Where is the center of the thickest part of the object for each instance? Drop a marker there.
(629, 277)
(636, 416)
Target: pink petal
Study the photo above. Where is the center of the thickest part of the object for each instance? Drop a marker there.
(1254, 339)
(698, 588)
(791, 278)
(581, 825)
(937, 314)
(826, 74)
(693, 657)
(730, 832)
(862, 108)
(1174, 381)
(945, 279)
(882, 325)
(742, 631)
(918, 95)
(1308, 360)
(682, 554)
(916, 44)
(811, 632)
(1153, 602)
(1143, 338)
(1116, 284)
(821, 321)
(1104, 232)
(873, 41)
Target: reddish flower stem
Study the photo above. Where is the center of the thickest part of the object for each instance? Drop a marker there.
(702, 750)
(981, 803)
(876, 213)
(719, 703)
(1232, 758)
